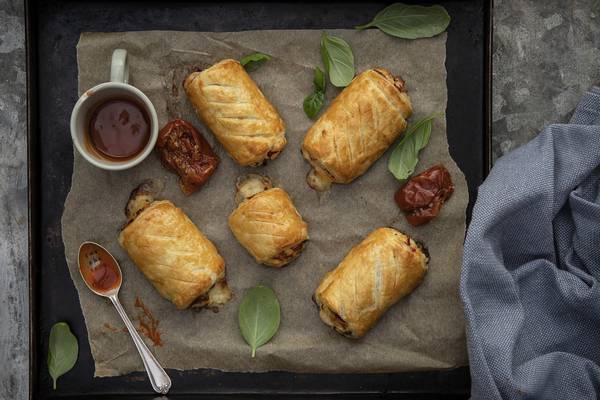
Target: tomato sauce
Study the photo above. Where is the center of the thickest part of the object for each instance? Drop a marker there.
(119, 129)
(148, 324)
(98, 268)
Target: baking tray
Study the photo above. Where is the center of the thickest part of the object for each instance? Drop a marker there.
(53, 29)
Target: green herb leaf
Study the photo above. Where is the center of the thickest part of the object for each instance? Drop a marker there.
(319, 80)
(405, 156)
(313, 103)
(251, 62)
(410, 21)
(338, 59)
(62, 351)
(259, 316)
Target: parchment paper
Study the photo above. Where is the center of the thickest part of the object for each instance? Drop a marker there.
(423, 331)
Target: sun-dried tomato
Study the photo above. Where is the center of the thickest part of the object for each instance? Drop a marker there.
(184, 150)
(422, 197)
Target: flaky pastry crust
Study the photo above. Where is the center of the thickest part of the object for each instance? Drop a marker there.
(386, 266)
(181, 263)
(269, 227)
(356, 129)
(232, 106)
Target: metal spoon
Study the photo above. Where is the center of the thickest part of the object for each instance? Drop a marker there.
(102, 274)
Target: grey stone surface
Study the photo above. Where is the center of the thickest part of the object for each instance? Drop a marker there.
(545, 55)
(14, 309)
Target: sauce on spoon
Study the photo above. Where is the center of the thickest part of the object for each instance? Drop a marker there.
(98, 268)
(102, 275)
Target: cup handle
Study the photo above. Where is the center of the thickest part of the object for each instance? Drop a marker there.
(119, 68)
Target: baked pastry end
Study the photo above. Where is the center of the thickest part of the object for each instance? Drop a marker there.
(249, 185)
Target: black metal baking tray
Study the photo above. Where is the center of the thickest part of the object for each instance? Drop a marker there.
(53, 28)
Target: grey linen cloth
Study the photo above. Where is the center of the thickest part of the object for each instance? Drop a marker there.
(531, 266)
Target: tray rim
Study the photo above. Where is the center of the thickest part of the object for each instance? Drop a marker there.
(33, 184)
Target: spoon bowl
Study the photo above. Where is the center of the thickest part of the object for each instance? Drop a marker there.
(99, 269)
(102, 275)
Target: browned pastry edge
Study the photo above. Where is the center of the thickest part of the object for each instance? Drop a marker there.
(247, 187)
(320, 177)
(361, 327)
(243, 154)
(143, 196)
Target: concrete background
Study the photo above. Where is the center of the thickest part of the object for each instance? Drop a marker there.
(545, 55)
(14, 309)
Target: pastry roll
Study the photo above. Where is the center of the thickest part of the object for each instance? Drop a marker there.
(356, 129)
(182, 264)
(386, 266)
(233, 107)
(266, 222)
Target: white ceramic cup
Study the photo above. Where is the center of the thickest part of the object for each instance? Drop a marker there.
(117, 88)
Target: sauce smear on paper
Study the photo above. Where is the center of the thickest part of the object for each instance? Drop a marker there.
(148, 325)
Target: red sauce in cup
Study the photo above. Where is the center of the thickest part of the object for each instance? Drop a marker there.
(119, 129)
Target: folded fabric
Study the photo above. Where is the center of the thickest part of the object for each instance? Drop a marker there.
(531, 266)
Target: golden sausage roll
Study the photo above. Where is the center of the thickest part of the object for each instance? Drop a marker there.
(386, 266)
(356, 129)
(235, 110)
(182, 264)
(266, 222)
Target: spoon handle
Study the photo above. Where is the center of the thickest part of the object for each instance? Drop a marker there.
(161, 383)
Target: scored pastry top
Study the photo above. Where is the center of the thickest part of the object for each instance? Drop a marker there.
(234, 108)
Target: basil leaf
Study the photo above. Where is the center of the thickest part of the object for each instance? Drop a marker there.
(313, 104)
(319, 80)
(410, 21)
(338, 59)
(62, 351)
(251, 62)
(259, 316)
(405, 155)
